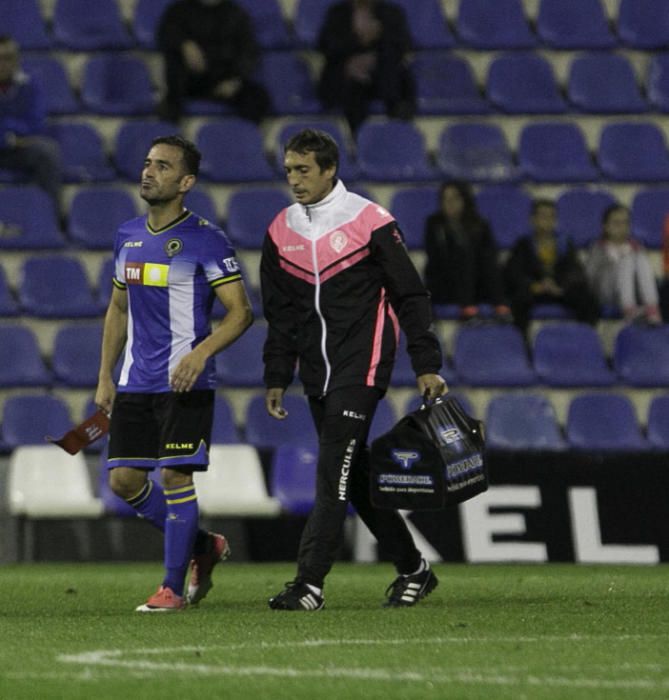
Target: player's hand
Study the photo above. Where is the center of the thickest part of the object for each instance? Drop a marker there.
(104, 395)
(274, 403)
(185, 374)
(431, 386)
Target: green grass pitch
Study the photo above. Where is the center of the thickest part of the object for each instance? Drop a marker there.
(496, 632)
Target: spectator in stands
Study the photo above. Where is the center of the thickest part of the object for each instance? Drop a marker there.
(210, 52)
(365, 43)
(620, 272)
(23, 146)
(664, 285)
(543, 267)
(462, 265)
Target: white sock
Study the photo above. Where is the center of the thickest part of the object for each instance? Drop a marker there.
(315, 589)
(424, 566)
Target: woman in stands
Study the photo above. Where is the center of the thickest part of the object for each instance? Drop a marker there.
(620, 272)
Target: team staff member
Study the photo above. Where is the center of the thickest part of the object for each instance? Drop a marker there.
(169, 266)
(336, 277)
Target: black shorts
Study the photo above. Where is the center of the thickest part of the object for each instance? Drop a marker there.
(166, 430)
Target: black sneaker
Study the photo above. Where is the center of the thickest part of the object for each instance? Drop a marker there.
(297, 596)
(405, 591)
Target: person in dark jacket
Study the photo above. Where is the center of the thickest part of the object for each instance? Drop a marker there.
(365, 43)
(336, 279)
(544, 268)
(210, 51)
(24, 147)
(462, 266)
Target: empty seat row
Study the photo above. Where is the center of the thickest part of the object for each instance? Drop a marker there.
(517, 83)
(564, 354)
(561, 24)
(30, 222)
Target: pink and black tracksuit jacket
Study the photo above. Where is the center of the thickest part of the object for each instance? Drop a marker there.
(337, 285)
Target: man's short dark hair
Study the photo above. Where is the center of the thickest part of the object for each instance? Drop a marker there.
(189, 151)
(320, 143)
(541, 202)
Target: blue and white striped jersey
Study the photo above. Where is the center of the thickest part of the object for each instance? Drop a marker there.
(169, 276)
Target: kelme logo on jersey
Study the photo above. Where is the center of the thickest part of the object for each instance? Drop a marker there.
(173, 247)
(150, 274)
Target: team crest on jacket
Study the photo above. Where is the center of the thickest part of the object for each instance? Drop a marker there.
(338, 241)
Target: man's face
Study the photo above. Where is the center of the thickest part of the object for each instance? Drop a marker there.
(9, 60)
(544, 219)
(163, 175)
(308, 182)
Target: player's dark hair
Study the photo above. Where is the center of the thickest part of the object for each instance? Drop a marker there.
(470, 213)
(320, 143)
(189, 151)
(612, 209)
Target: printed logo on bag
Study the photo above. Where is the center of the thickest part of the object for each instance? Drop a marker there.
(449, 434)
(405, 458)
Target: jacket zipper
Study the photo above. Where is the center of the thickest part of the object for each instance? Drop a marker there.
(317, 305)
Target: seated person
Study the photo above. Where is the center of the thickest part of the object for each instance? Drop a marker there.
(462, 255)
(364, 43)
(620, 272)
(210, 52)
(23, 146)
(543, 268)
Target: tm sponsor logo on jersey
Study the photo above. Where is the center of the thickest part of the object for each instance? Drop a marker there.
(150, 274)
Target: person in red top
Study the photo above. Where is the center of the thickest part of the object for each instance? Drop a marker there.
(337, 283)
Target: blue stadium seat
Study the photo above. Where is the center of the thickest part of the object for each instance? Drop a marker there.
(224, 430)
(269, 25)
(76, 355)
(241, 363)
(233, 151)
(8, 305)
(81, 25)
(658, 422)
(524, 84)
(348, 168)
(574, 24)
(644, 25)
(649, 209)
(492, 355)
(499, 25)
(82, 154)
(286, 77)
(265, 432)
(21, 363)
(411, 206)
(657, 82)
(250, 212)
(445, 84)
(29, 219)
(27, 419)
(507, 209)
(603, 421)
(117, 85)
(522, 422)
(551, 312)
(196, 107)
(308, 20)
(580, 213)
(641, 355)
(87, 228)
(49, 73)
(200, 202)
(384, 419)
(67, 294)
(570, 354)
(293, 478)
(475, 152)
(391, 151)
(404, 375)
(23, 21)
(132, 143)
(648, 161)
(555, 152)
(427, 25)
(604, 83)
(145, 21)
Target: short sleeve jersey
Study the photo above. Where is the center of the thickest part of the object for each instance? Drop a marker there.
(169, 275)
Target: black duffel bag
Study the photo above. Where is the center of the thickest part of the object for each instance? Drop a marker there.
(432, 458)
